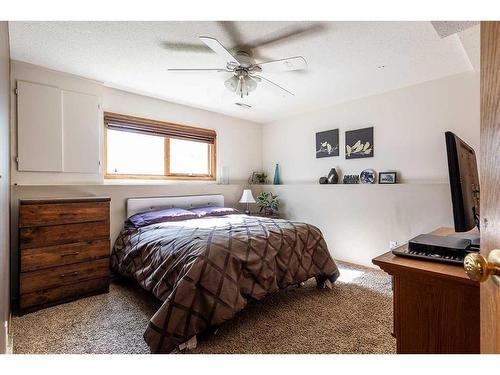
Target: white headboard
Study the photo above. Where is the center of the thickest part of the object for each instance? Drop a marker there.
(136, 205)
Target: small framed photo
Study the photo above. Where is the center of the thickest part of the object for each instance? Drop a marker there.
(387, 178)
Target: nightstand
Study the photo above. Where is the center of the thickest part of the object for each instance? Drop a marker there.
(435, 305)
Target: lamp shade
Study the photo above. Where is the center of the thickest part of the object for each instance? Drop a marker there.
(247, 196)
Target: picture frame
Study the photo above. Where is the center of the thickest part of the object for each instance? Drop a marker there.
(387, 178)
(359, 143)
(257, 178)
(327, 143)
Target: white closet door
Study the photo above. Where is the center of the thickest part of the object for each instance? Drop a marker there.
(80, 132)
(39, 128)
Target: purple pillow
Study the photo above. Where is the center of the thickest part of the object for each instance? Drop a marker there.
(159, 216)
(213, 211)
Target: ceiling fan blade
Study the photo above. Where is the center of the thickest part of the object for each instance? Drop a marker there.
(185, 47)
(283, 65)
(219, 49)
(274, 84)
(196, 70)
(297, 31)
(233, 33)
(288, 33)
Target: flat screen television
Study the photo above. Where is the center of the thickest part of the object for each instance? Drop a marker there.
(464, 183)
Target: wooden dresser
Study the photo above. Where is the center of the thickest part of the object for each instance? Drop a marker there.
(64, 250)
(436, 306)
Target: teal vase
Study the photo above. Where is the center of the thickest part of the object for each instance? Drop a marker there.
(277, 175)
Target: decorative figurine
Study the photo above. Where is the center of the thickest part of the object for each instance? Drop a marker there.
(333, 177)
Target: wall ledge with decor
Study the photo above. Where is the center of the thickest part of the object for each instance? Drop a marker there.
(416, 182)
(357, 227)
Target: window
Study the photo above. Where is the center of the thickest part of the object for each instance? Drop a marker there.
(189, 157)
(149, 149)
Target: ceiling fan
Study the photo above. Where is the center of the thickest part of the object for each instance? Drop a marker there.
(246, 72)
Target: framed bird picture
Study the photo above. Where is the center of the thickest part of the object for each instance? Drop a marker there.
(327, 143)
(359, 143)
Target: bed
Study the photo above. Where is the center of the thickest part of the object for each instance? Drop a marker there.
(205, 270)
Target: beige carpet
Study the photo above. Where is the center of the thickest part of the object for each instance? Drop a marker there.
(354, 317)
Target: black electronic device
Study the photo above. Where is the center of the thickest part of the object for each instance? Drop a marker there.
(464, 185)
(446, 249)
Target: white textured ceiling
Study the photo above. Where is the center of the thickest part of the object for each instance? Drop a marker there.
(447, 28)
(343, 59)
(471, 42)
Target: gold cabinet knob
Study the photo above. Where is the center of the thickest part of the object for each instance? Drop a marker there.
(478, 268)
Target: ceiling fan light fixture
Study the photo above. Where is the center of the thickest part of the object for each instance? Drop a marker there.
(250, 83)
(242, 89)
(232, 83)
(245, 69)
(241, 83)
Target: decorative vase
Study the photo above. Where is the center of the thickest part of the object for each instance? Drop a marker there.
(276, 175)
(333, 177)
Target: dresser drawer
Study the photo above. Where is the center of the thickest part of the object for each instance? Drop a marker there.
(63, 275)
(58, 255)
(62, 213)
(62, 293)
(58, 234)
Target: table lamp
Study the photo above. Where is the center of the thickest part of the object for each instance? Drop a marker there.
(247, 198)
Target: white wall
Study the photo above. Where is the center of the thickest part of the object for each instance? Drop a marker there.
(359, 221)
(4, 183)
(238, 141)
(409, 124)
(238, 151)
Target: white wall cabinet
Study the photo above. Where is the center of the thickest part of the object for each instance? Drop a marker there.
(57, 130)
(39, 127)
(80, 132)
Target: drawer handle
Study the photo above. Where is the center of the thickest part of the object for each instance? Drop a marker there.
(69, 274)
(70, 254)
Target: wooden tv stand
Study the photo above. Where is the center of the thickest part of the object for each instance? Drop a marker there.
(435, 305)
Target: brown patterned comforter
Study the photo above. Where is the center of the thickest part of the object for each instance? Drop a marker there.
(205, 270)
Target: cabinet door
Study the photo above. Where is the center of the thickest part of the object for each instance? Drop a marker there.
(80, 132)
(39, 128)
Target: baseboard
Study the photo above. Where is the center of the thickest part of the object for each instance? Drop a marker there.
(10, 344)
(4, 339)
(9, 339)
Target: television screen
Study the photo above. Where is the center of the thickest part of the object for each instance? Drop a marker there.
(464, 183)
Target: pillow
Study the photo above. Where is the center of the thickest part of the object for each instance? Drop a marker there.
(214, 211)
(159, 216)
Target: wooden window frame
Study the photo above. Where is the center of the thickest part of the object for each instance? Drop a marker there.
(212, 149)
